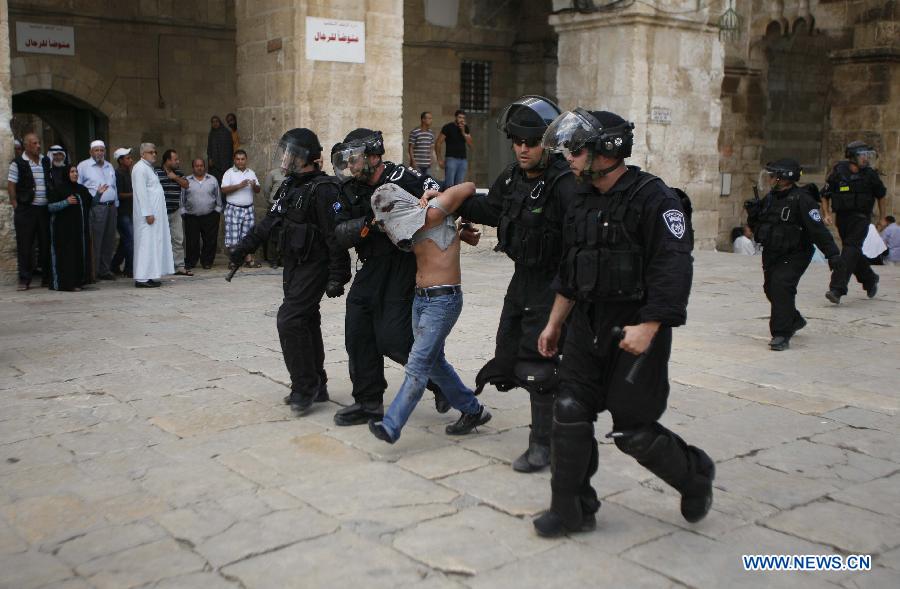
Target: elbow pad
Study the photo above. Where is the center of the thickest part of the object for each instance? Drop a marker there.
(350, 233)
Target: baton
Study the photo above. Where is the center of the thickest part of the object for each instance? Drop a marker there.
(619, 334)
(232, 273)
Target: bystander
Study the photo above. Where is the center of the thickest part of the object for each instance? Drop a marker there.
(421, 145)
(456, 135)
(239, 184)
(95, 173)
(202, 204)
(172, 180)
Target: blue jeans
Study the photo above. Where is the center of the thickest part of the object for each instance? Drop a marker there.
(455, 171)
(125, 250)
(433, 318)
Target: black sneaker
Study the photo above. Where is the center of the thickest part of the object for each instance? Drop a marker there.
(798, 325)
(467, 422)
(298, 402)
(833, 296)
(779, 343)
(359, 414)
(872, 289)
(379, 432)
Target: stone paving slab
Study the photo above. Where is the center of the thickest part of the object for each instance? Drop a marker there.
(144, 443)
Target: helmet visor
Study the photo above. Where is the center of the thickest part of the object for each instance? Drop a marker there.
(766, 180)
(349, 161)
(866, 158)
(540, 106)
(569, 131)
(291, 158)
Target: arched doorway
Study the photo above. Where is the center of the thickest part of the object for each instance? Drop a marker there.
(59, 118)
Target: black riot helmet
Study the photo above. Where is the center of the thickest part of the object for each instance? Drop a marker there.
(527, 117)
(603, 132)
(350, 157)
(296, 149)
(785, 169)
(861, 154)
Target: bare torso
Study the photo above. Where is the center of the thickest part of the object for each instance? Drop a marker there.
(435, 267)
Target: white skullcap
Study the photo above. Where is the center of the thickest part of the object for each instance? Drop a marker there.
(97, 143)
(121, 152)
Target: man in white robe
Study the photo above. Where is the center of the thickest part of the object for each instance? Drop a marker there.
(152, 244)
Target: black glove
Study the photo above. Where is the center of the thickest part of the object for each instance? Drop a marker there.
(835, 263)
(334, 289)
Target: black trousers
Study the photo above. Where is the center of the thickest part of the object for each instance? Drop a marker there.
(853, 228)
(32, 223)
(782, 274)
(378, 322)
(526, 308)
(592, 379)
(300, 323)
(271, 246)
(199, 228)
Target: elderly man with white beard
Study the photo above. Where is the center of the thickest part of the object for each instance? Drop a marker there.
(94, 173)
(152, 245)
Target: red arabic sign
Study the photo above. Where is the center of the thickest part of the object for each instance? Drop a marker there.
(41, 38)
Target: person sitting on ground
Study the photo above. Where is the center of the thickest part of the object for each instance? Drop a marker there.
(742, 241)
(429, 230)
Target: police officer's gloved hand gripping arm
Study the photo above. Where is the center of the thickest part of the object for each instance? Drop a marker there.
(338, 257)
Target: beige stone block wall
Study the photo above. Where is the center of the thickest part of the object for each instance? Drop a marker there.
(281, 89)
(7, 233)
(635, 60)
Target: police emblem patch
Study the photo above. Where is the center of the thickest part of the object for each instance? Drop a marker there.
(431, 184)
(337, 207)
(815, 216)
(675, 222)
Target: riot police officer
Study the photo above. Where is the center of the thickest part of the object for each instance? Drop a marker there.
(787, 223)
(623, 284)
(314, 264)
(378, 322)
(850, 192)
(526, 203)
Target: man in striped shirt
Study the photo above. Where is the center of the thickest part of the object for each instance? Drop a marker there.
(421, 145)
(27, 182)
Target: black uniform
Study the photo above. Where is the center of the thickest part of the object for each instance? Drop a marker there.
(378, 322)
(787, 224)
(304, 211)
(852, 197)
(528, 213)
(627, 261)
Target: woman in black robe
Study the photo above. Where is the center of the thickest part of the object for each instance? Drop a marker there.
(70, 231)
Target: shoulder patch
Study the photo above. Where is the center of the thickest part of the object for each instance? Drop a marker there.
(336, 206)
(430, 184)
(398, 173)
(815, 216)
(674, 220)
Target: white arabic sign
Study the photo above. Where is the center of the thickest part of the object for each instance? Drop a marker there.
(661, 115)
(328, 39)
(34, 37)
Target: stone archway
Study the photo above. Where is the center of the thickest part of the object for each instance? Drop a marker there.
(68, 77)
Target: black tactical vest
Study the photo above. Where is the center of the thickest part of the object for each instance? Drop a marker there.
(526, 232)
(778, 227)
(852, 192)
(605, 254)
(294, 203)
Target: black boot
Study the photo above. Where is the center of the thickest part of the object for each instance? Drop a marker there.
(322, 393)
(467, 422)
(573, 461)
(359, 413)
(300, 402)
(537, 456)
(687, 469)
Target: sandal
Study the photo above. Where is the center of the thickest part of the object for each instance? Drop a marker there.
(184, 272)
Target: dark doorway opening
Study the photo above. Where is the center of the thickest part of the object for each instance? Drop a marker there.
(59, 118)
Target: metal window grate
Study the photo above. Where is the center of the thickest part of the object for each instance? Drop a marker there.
(475, 86)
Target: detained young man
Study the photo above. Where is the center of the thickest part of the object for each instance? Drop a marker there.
(428, 228)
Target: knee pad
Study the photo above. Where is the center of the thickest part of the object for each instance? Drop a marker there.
(567, 409)
(537, 377)
(639, 443)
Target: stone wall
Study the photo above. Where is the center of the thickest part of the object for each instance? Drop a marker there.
(638, 61)
(516, 40)
(7, 234)
(278, 88)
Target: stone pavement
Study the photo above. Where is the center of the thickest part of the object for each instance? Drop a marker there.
(143, 443)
